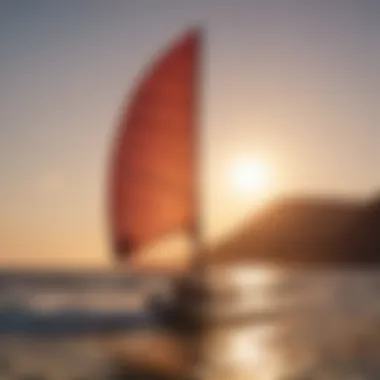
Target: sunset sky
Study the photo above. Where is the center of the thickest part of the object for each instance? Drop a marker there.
(295, 83)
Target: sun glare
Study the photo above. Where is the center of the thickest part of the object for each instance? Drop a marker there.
(250, 175)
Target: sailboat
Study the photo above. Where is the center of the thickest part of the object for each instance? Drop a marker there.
(155, 165)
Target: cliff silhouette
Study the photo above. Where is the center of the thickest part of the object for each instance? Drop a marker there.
(310, 231)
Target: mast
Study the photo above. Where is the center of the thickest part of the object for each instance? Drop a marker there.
(197, 237)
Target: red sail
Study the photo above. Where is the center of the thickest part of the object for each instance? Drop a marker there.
(153, 173)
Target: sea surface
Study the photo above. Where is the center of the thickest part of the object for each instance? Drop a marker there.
(278, 324)
(58, 325)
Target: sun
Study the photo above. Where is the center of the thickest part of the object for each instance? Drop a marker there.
(250, 175)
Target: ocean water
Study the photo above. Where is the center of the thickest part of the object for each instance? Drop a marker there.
(52, 357)
(295, 324)
(274, 324)
(67, 325)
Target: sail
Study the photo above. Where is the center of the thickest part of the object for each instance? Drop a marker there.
(153, 189)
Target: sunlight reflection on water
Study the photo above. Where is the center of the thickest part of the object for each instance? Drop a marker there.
(317, 324)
